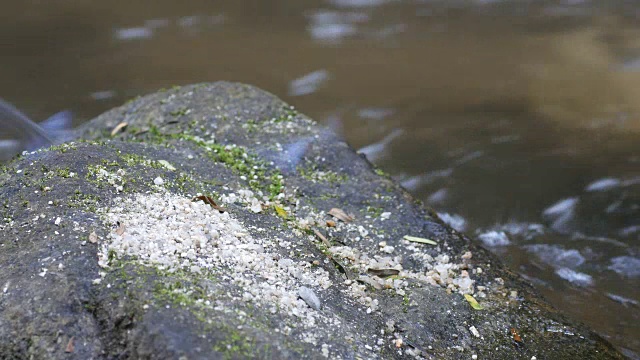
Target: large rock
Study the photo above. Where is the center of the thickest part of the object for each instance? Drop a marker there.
(104, 255)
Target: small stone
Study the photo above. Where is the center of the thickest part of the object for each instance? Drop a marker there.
(474, 331)
(309, 297)
(158, 181)
(387, 249)
(325, 350)
(57, 222)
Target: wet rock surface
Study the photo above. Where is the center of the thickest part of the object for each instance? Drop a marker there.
(221, 223)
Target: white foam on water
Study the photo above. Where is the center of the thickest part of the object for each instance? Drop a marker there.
(524, 230)
(574, 277)
(133, 33)
(308, 83)
(557, 257)
(628, 266)
(454, 220)
(561, 208)
(438, 197)
(561, 213)
(413, 183)
(603, 184)
(622, 300)
(494, 238)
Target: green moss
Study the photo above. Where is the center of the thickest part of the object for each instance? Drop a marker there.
(312, 174)
(178, 292)
(250, 126)
(134, 159)
(374, 211)
(290, 114)
(111, 255)
(405, 303)
(182, 182)
(110, 163)
(276, 185)
(237, 345)
(132, 100)
(180, 112)
(88, 202)
(63, 148)
(63, 173)
(181, 288)
(257, 173)
(381, 172)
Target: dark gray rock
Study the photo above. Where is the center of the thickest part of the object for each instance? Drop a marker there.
(104, 256)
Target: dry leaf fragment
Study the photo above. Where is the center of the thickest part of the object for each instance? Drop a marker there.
(119, 128)
(70, 348)
(167, 165)
(322, 237)
(209, 201)
(343, 269)
(472, 301)
(385, 272)
(93, 237)
(141, 131)
(420, 240)
(281, 212)
(340, 215)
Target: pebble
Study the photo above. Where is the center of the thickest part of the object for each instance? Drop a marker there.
(309, 297)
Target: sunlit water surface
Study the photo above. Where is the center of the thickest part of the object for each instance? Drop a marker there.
(518, 121)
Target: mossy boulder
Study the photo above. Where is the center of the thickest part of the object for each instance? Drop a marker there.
(215, 221)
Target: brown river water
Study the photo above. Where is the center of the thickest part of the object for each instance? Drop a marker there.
(518, 121)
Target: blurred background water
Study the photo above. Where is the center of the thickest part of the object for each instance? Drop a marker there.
(518, 121)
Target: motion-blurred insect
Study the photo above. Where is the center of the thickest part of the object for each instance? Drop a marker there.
(19, 133)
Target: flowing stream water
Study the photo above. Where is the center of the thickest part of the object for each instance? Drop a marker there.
(518, 121)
